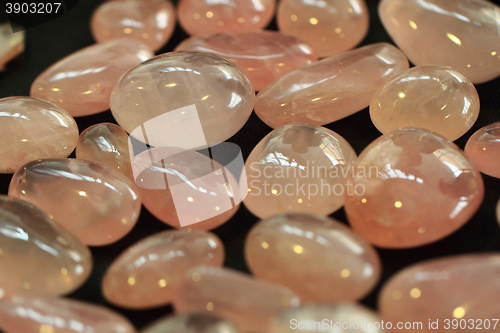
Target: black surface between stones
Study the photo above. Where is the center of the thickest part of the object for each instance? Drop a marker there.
(54, 40)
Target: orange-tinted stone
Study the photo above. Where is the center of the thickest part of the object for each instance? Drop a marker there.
(11, 44)
(483, 148)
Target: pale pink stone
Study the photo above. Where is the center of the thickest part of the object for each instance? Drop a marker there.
(151, 22)
(460, 290)
(411, 187)
(330, 89)
(31, 129)
(462, 34)
(145, 275)
(11, 44)
(483, 148)
(329, 26)
(81, 83)
(37, 257)
(300, 168)
(436, 98)
(47, 315)
(264, 56)
(249, 303)
(279, 249)
(95, 204)
(192, 323)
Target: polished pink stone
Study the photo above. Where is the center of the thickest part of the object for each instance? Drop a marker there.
(37, 258)
(81, 83)
(145, 275)
(330, 89)
(411, 188)
(462, 34)
(11, 44)
(47, 315)
(455, 291)
(330, 26)
(95, 204)
(483, 148)
(264, 56)
(278, 250)
(192, 323)
(151, 22)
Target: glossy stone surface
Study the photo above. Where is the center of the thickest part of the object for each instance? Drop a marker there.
(330, 26)
(436, 98)
(36, 256)
(462, 34)
(435, 290)
(248, 303)
(81, 83)
(299, 168)
(31, 129)
(38, 315)
(264, 56)
(11, 44)
(411, 188)
(330, 89)
(279, 248)
(95, 204)
(191, 323)
(145, 275)
(483, 148)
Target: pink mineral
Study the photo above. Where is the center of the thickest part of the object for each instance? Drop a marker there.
(11, 44)
(483, 148)
(192, 323)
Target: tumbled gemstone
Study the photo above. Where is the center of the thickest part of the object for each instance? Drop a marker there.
(298, 167)
(483, 148)
(436, 98)
(411, 187)
(11, 44)
(31, 129)
(249, 303)
(191, 323)
(37, 257)
(151, 22)
(330, 89)
(145, 275)
(47, 315)
(81, 83)
(264, 56)
(279, 248)
(95, 204)
(330, 27)
(462, 34)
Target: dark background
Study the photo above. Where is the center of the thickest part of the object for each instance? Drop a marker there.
(48, 43)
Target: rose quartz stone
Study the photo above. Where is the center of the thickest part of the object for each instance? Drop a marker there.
(330, 26)
(483, 148)
(200, 17)
(330, 89)
(47, 315)
(249, 303)
(192, 323)
(81, 83)
(31, 129)
(279, 248)
(151, 22)
(95, 204)
(299, 168)
(411, 187)
(462, 34)
(436, 98)
(11, 44)
(145, 275)
(264, 56)
(446, 290)
(29, 238)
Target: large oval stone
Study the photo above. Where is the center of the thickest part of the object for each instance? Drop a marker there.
(36, 256)
(436, 98)
(31, 129)
(11, 44)
(483, 148)
(340, 265)
(330, 89)
(264, 56)
(462, 34)
(95, 204)
(330, 26)
(411, 187)
(145, 275)
(81, 83)
(300, 168)
(192, 323)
